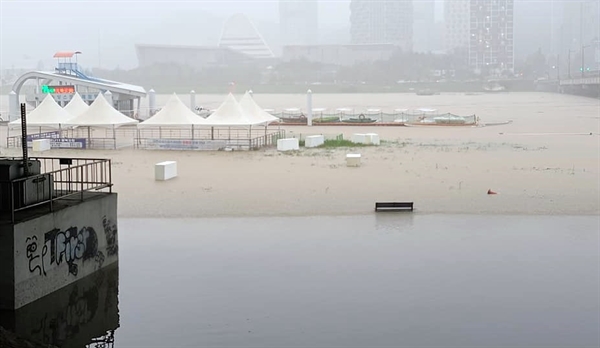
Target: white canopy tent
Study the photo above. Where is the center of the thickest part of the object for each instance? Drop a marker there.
(48, 114)
(175, 114)
(102, 115)
(231, 114)
(249, 106)
(76, 105)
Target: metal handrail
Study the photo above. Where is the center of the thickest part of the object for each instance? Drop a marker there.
(75, 179)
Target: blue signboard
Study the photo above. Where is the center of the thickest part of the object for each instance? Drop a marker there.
(47, 135)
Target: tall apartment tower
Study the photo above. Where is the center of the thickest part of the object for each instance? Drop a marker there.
(457, 24)
(299, 22)
(491, 48)
(424, 26)
(379, 21)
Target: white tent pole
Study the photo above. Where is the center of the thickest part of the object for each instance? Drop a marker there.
(115, 136)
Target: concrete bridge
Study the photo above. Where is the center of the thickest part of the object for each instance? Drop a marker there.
(588, 85)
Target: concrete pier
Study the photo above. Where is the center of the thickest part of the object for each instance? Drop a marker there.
(58, 225)
(74, 316)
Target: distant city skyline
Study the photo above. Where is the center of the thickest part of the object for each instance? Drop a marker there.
(552, 27)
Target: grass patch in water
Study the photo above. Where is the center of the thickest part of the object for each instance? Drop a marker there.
(331, 143)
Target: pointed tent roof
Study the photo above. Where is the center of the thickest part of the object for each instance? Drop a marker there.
(248, 104)
(47, 114)
(174, 113)
(76, 106)
(231, 114)
(101, 114)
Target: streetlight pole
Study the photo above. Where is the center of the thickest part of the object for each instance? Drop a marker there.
(569, 63)
(583, 60)
(558, 72)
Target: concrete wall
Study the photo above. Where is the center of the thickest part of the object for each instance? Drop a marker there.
(57, 249)
(7, 269)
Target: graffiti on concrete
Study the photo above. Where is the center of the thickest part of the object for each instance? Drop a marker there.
(33, 256)
(110, 230)
(69, 247)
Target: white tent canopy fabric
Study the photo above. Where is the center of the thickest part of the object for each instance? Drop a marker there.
(231, 114)
(101, 114)
(249, 106)
(47, 114)
(174, 114)
(76, 106)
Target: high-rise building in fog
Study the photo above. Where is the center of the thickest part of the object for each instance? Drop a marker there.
(380, 22)
(457, 25)
(491, 48)
(424, 26)
(299, 22)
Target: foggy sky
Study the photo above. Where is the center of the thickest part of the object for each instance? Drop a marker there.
(38, 29)
(106, 30)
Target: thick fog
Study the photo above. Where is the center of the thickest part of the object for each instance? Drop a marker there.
(107, 30)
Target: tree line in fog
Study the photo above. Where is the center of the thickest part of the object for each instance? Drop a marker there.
(400, 68)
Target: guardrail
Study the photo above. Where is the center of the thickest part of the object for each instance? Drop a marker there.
(59, 178)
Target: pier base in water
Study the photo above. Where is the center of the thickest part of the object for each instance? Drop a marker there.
(42, 252)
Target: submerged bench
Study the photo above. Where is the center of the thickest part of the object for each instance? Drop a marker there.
(394, 206)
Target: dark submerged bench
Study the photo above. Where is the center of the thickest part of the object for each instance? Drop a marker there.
(394, 206)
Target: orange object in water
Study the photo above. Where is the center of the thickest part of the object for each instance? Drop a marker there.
(490, 192)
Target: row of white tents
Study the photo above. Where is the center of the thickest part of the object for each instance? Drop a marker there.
(175, 114)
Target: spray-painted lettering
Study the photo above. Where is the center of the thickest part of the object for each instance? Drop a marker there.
(68, 247)
(110, 231)
(35, 261)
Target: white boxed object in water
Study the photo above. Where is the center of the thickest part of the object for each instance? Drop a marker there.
(314, 140)
(353, 160)
(290, 144)
(41, 145)
(165, 170)
(358, 138)
(372, 139)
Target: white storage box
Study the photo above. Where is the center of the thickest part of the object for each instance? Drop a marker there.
(359, 138)
(353, 160)
(41, 145)
(372, 139)
(314, 141)
(290, 144)
(165, 170)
